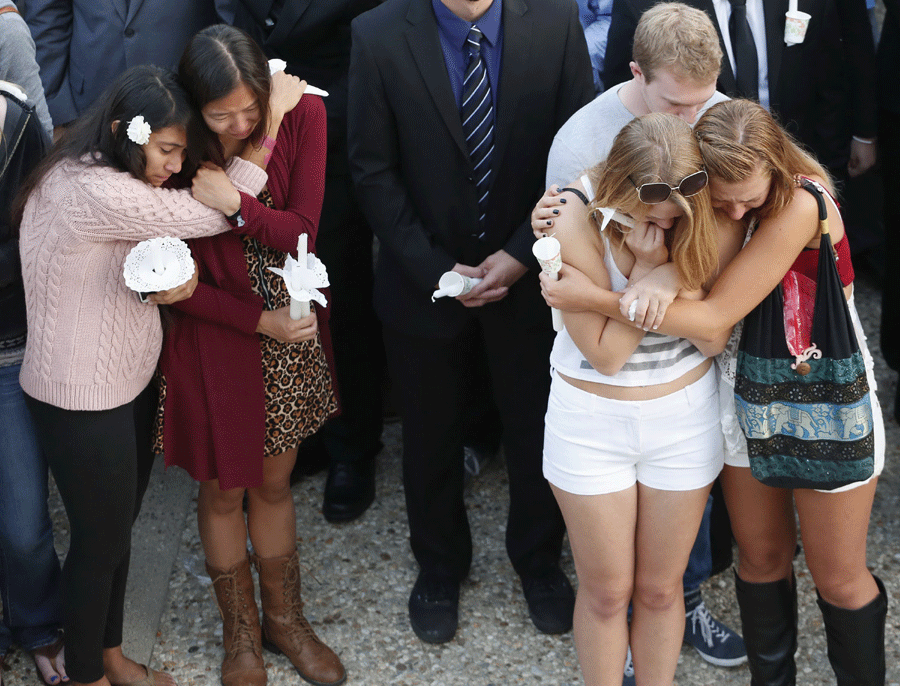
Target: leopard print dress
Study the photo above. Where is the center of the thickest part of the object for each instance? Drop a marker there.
(298, 388)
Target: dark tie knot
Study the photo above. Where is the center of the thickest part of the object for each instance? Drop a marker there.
(473, 40)
(738, 3)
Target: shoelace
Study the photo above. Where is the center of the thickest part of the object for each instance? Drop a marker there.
(629, 664)
(242, 634)
(300, 629)
(709, 628)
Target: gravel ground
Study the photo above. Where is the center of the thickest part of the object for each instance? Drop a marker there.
(359, 576)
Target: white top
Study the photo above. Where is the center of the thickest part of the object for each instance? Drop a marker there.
(658, 359)
(757, 20)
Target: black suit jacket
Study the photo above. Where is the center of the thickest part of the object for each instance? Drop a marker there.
(408, 157)
(313, 37)
(822, 90)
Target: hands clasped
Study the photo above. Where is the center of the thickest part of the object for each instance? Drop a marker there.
(498, 272)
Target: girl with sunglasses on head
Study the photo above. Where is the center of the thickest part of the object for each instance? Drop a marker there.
(93, 344)
(633, 441)
(756, 171)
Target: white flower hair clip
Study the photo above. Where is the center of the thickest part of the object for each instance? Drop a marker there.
(138, 131)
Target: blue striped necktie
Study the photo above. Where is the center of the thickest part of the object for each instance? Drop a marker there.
(477, 112)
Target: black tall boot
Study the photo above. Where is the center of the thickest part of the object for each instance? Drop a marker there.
(769, 620)
(856, 640)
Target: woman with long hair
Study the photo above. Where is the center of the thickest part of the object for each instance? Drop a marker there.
(93, 344)
(633, 439)
(755, 174)
(242, 382)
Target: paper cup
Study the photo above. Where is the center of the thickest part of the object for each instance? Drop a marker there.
(547, 252)
(795, 25)
(453, 284)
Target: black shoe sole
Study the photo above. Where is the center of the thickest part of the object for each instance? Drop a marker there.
(343, 517)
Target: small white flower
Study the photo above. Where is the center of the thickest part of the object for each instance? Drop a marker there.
(139, 131)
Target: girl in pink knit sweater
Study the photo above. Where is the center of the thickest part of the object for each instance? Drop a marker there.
(92, 346)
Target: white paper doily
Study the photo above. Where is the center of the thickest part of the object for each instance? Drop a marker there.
(158, 264)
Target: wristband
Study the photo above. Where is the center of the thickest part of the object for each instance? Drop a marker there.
(235, 218)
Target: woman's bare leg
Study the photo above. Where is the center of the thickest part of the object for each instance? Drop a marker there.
(601, 533)
(667, 524)
(223, 531)
(271, 517)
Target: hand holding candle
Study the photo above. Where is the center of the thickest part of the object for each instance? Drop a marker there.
(547, 252)
(453, 284)
(302, 277)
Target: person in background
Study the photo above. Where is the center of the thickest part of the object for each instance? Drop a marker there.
(595, 16)
(888, 65)
(94, 346)
(18, 64)
(241, 382)
(29, 567)
(84, 45)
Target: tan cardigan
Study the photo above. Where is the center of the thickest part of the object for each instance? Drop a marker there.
(92, 345)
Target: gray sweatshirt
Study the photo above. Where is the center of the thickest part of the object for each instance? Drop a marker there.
(18, 64)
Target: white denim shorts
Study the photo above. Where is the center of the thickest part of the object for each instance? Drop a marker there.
(595, 445)
(738, 457)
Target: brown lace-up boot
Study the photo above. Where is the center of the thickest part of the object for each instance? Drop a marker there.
(243, 663)
(286, 630)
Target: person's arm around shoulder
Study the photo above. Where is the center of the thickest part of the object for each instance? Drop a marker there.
(118, 206)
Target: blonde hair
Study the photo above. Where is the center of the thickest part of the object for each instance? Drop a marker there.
(739, 137)
(660, 147)
(672, 34)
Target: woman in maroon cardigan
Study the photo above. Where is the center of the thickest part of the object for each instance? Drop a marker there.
(241, 382)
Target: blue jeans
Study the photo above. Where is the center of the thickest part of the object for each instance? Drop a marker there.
(29, 567)
(699, 565)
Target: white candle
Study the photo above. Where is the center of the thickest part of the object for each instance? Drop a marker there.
(547, 252)
(299, 308)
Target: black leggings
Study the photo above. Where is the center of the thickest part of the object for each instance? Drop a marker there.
(101, 463)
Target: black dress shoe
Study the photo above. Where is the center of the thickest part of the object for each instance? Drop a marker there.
(349, 490)
(551, 601)
(434, 607)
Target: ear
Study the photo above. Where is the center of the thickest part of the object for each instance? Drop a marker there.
(114, 126)
(636, 70)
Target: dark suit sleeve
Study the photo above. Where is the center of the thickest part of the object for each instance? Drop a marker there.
(374, 149)
(859, 47)
(50, 22)
(618, 43)
(576, 89)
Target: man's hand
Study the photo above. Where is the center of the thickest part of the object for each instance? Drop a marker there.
(862, 157)
(500, 271)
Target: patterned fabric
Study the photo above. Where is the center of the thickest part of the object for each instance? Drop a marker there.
(299, 396)
(477, 112)
(810, 425)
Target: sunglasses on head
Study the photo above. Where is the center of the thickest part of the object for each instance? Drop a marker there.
(658, 191)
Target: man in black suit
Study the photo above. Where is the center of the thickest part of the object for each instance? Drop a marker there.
(314, 39)
(822, 90)
(433, 209)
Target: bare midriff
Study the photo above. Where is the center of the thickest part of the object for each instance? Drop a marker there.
(641, 392)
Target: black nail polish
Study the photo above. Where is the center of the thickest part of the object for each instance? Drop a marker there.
(562, 201)
(555, 211)
(549, 222)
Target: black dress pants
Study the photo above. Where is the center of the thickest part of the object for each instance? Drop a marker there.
(434, 382)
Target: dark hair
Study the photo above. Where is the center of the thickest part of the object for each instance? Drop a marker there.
(146, 90)
(217, 60)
